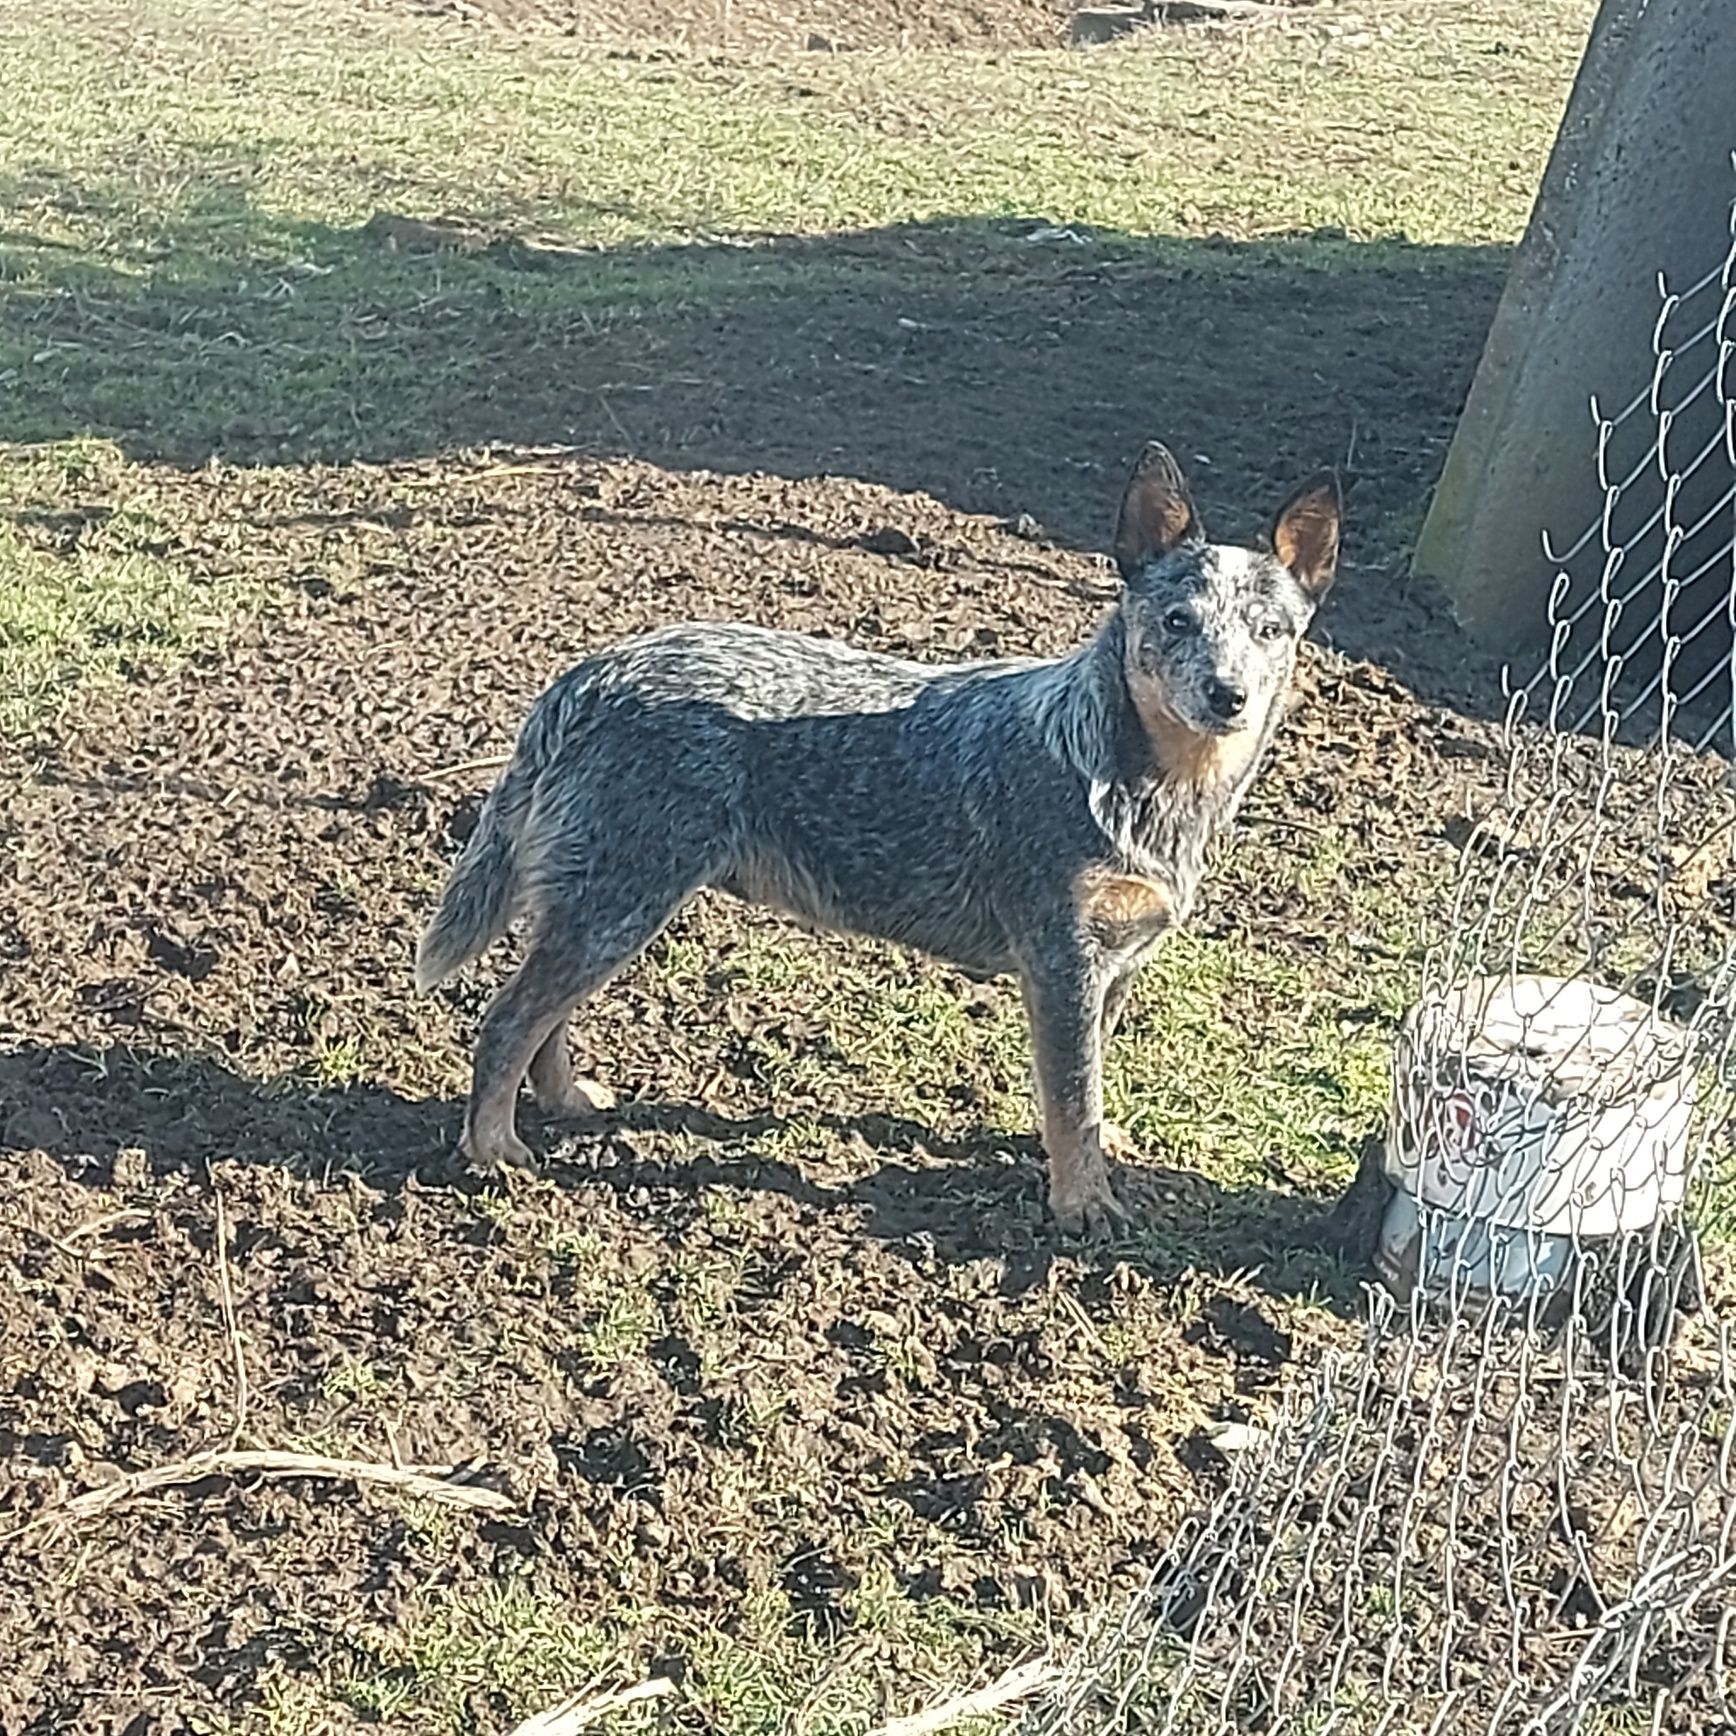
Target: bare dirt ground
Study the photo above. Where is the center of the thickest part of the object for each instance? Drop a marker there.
(707, 1362)
(786, 1365)
(780, 1336)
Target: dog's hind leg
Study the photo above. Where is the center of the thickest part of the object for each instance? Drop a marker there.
(557, 1089)
(577, 947)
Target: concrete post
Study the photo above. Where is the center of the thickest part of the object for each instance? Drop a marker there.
(1639, 183)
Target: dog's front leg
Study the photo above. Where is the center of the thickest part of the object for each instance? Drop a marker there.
(1064, 1000)
(1117, 1143)
(1115, 999)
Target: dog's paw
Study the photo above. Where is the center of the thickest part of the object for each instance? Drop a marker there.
(579, 1100)
(494, 1155)
(1089, 1208)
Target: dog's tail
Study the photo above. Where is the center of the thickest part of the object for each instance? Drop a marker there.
(476, 905)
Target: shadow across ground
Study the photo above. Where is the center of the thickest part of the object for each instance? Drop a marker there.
(1001, 366)
(106, 1114)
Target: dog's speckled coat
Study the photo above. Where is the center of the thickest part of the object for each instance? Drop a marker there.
(1046, 819)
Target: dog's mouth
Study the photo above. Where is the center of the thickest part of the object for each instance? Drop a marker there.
(1200, 719)
(1184, 711)
(1214, 728)
(1212, 724)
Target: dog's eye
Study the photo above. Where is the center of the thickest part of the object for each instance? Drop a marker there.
(1268, 630)
(1178, 621)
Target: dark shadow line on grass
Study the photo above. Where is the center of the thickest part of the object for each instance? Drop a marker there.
(983, 1200)
(960, 356)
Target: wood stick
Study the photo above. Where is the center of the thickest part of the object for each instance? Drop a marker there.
(109, 1221)
(584, 1710)
(434, 1483)
(458, 771)
(226, 1296)
(1019, 1683)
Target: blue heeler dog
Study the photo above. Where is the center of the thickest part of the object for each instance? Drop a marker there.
(1047, 819)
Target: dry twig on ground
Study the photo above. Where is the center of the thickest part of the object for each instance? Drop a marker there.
(430, 1482)
(1019, 1683)
(583, 1710)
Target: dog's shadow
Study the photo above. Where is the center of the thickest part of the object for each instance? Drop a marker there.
(97, 1111)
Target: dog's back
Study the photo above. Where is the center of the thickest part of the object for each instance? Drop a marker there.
(851, 789)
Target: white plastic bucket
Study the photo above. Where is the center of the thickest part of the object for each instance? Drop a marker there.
(1530, 1115)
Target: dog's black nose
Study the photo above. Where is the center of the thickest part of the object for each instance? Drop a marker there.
(1225, 700)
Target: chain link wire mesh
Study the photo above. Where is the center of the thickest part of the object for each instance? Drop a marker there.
(1513, 1509)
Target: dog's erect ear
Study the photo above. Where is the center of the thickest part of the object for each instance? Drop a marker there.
(1305, 533)
(1157, 512)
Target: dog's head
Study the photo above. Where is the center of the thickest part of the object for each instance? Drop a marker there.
(1211, 631)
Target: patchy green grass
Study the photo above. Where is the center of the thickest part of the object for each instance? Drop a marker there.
(1202, 1073)
(182, 266)
(88, 587)
(198, 279)
(1432, 127)
(1256, 1065)
(510, 1648)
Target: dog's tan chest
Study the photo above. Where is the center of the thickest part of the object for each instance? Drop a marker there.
(1124, 909)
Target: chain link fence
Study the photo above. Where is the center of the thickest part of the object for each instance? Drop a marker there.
(1513, 1509)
